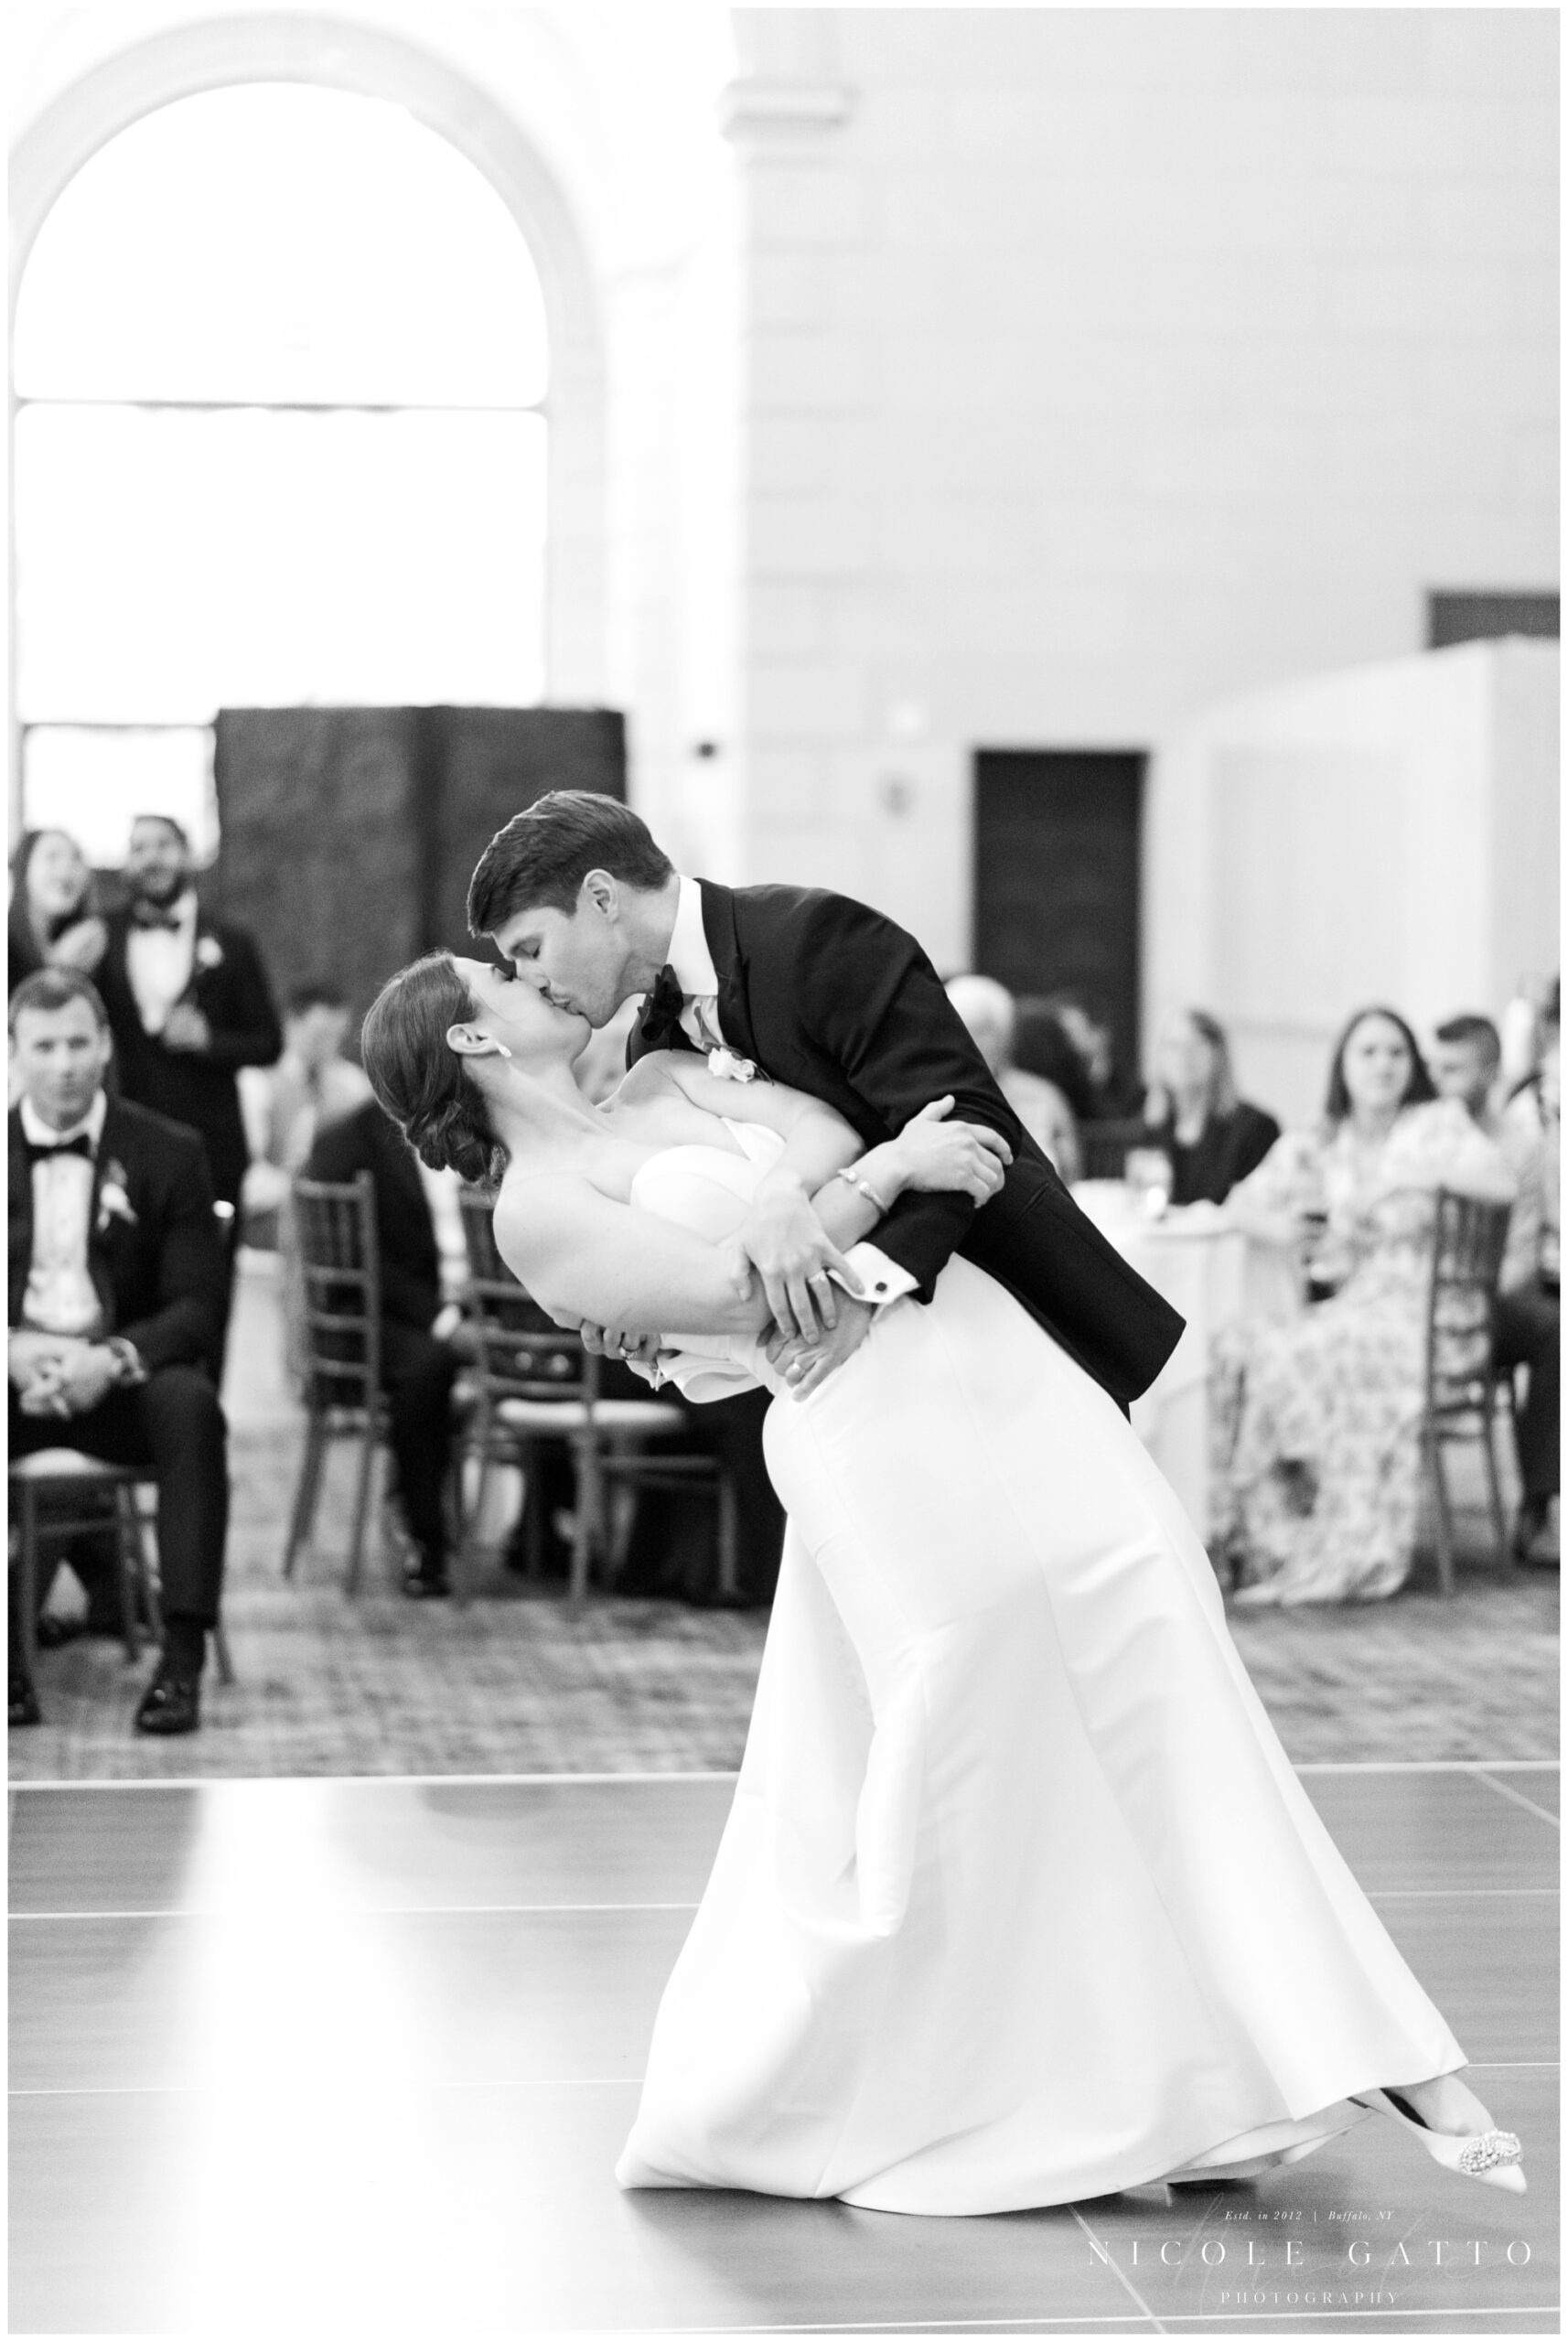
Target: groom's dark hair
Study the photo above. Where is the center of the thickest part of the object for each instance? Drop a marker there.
(543, 855)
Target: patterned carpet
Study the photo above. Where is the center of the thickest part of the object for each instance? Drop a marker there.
(523, 1684)
(517, 1683)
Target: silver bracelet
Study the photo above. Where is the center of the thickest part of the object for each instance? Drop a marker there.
(864, 1187)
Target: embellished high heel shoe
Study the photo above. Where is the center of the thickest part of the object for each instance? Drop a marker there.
(1494, 2157)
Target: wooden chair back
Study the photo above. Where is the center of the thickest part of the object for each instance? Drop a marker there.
(340, 1270)
(1469, 1238)
(1104, 1147)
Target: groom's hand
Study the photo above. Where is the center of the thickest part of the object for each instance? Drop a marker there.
(806, 1365)
(789, 1248)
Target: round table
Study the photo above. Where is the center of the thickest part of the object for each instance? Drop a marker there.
(1207, 1268)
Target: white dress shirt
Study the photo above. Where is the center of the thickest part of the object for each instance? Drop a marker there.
(61, 1297)
(159, 962)
(693, 964)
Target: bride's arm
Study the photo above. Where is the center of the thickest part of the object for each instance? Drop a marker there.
(818, 1141)
(932, 1153)
(582, 1256)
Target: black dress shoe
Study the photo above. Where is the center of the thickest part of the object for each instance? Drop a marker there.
(24, 1708)
(54, 1632)
(426, 1585)
(170, 1703)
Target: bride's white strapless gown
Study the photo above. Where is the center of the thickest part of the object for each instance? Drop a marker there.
(1019, 1901)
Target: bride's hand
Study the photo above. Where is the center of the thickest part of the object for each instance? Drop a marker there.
(938, 1155)
(612, 1342)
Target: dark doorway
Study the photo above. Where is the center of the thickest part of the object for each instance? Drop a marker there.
(1057, 875)
(1489, 618)
(348, 835)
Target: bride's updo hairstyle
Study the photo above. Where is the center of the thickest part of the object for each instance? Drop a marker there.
(420, 1080)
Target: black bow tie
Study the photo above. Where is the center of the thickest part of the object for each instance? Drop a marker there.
(660, 1020)
(45, 1150)
(149, 920)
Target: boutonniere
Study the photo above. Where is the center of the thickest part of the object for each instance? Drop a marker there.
(728, 1065)
(114, 1203)
(209, 951)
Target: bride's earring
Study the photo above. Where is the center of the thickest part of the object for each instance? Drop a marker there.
(467, 1042)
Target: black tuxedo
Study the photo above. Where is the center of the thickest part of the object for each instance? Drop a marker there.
(159, 1270)
(836, 999)
(157, 1277)
(199, 1091)
(417, 1369)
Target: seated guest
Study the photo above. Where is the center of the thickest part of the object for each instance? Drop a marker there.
(189, 1004)
(1317, 1421)
(419, 1356)
(1040, 1046)
(988, 1010)
(1467, 1064)
(312, 1084)
(52, 922)
(1113, 1096)
(1533, 1013)
(116, 1278)
(1211, 1136)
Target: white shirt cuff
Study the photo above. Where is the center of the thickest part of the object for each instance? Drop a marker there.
(883, 1279)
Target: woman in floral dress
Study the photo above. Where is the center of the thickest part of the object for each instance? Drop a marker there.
(1316, 1477)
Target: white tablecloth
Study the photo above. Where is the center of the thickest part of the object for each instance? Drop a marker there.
(1208, 1270)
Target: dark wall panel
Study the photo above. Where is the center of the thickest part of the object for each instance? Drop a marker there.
(319, 856)
(349, 834)
(482, 765)
(1057, 875)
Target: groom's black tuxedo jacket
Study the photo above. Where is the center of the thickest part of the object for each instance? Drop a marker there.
(153, 1252)
(836, 999)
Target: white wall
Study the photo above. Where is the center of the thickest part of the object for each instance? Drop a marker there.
(1102, 362)
(1387, 833)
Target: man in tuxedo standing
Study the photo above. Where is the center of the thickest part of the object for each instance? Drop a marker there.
(115, 1277)
(189, 1004)
(823, 993)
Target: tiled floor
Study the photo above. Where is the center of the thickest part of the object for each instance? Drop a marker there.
(357, 2057)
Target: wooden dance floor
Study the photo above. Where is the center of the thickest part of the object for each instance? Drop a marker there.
(356, 2057)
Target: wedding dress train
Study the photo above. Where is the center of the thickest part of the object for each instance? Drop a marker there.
(1019, 1901)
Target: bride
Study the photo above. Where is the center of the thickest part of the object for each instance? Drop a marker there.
(1019, 1901)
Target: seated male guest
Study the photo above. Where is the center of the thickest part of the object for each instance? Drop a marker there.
(1467, 1064)
(419, 1358)
(189, 1004)
(116, 1280)
(1212, 1136)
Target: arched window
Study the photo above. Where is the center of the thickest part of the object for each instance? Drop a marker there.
(280, 357)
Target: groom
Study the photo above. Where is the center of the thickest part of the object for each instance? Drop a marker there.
(814, 990)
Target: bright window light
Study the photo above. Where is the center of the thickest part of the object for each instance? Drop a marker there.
(171, 562)
(281, 354)
(276, 243)
(94, 783)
